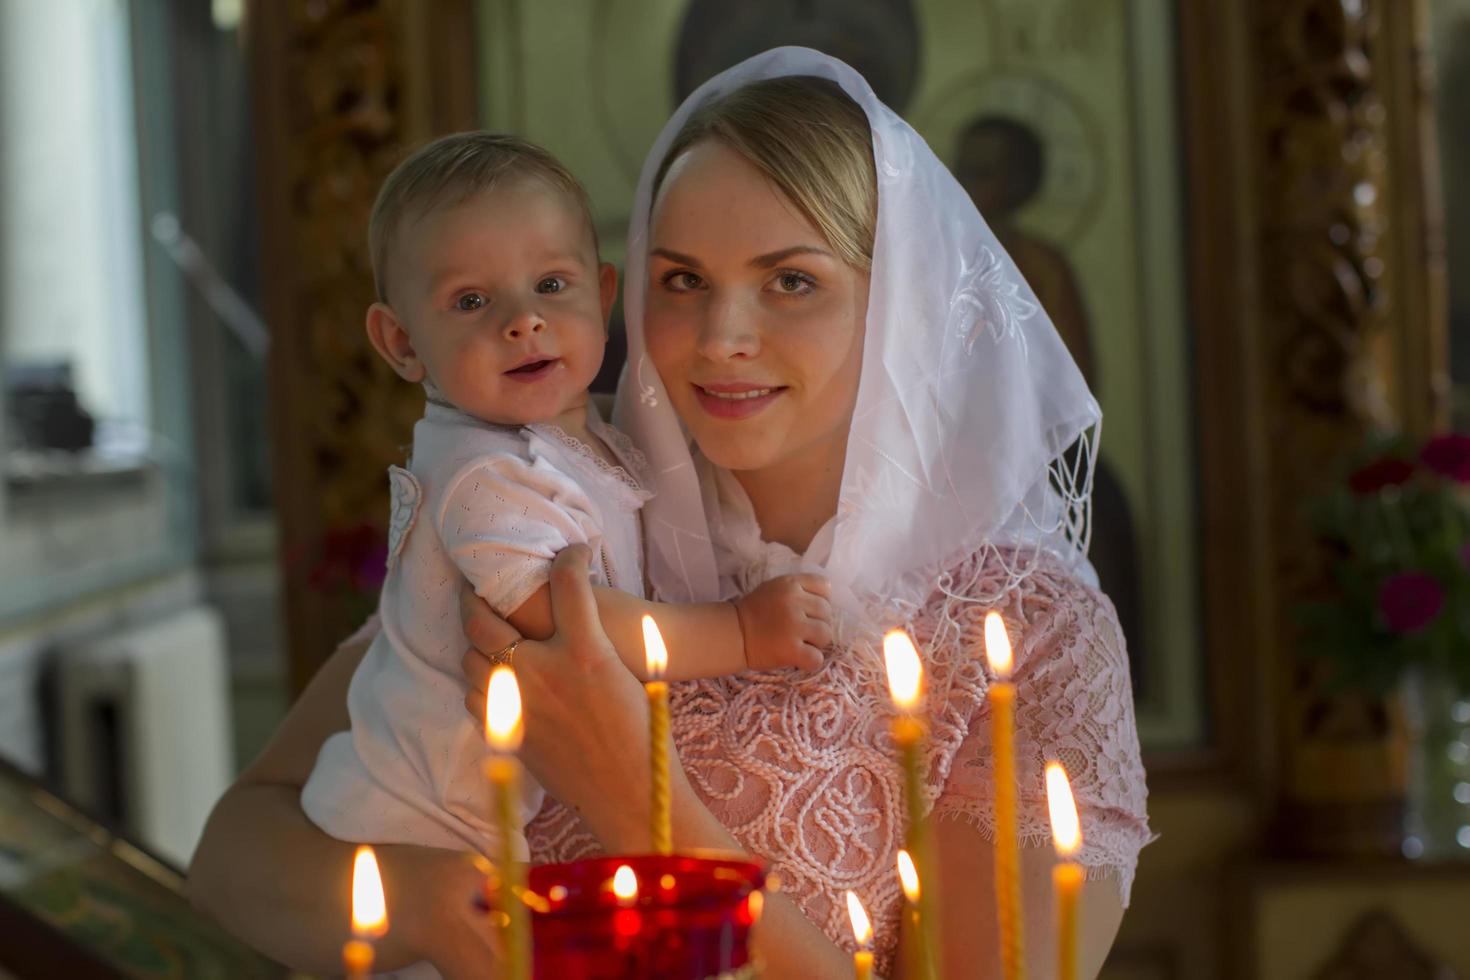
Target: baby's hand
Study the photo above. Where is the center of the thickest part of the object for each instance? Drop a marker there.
(786, 622)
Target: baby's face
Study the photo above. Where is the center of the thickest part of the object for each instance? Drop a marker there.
(505, 303)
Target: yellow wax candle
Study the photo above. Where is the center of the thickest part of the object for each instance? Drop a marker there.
(862, 930)
(503, 732)
(1067, 876)
(657, 659)
(369, 914)
(905, 683)
(357, 959)
(1002, 701)
(917, 960)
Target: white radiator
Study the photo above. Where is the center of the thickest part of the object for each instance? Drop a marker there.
(145, 727)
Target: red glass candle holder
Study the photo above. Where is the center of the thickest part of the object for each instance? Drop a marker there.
(689, 920)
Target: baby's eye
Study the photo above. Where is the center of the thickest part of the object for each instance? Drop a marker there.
(469, 302)
(551, 284)
(794, 283)
(682, 282)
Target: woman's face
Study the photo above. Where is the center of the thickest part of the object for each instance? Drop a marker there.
(753, 322)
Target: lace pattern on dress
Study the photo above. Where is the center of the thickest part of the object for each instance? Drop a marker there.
(800, 767)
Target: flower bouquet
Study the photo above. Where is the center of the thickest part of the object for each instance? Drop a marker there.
(1393, 620)
(1397, 530)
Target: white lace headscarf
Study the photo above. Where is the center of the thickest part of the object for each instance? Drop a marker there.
(973, 432)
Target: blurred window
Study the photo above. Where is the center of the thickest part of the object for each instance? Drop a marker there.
(71, 269)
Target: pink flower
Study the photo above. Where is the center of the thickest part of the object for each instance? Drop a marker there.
(1409, 601)
(1387, 471)
(1449, 456)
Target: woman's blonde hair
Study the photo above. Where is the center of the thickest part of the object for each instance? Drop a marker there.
(812, 141)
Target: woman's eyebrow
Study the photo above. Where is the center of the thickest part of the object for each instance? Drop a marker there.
(781, 255)
(678, 258)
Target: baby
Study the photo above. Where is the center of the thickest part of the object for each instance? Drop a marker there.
(491, 294)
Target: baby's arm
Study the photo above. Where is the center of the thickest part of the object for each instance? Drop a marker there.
(502, 521)
(786, 622)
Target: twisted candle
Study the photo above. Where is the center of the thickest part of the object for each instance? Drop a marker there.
(369, 914)
(503, 731)
(657, 659)
(905, 681)
(1002, 700)
(1067, 875)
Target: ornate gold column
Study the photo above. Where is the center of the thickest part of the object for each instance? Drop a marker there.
(342, 88)
(1351, 339)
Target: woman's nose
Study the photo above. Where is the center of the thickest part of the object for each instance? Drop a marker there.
(728, 330)
(524, 324)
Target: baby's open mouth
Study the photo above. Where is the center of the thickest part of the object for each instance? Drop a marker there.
(533, 366)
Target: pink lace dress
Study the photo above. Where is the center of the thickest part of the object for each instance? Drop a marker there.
(800, 767)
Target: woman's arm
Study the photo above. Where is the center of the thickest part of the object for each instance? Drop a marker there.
(283, 886)
(968, 923)
(586, 741)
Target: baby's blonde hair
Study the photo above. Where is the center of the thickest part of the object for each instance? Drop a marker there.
(813, 142)
(452, 169)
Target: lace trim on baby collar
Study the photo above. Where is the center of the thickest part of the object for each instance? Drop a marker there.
(584, 454)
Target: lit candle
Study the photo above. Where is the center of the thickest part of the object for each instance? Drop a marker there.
(1002, 698)
(862, 930)
(369, 914)
(503, 732)
(627, 921)
(625, 885)
(905, 686)
(908, 877)
(1067, 875)
(657, 659)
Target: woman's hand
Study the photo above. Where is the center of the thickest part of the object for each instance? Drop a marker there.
(585, 715)
(587, 742)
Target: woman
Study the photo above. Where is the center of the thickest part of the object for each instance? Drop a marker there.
(870, 390)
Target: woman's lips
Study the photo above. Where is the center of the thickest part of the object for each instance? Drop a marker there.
(735, 401)
(534, 370)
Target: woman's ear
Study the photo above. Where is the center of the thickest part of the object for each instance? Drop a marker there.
(607, 282)
(391, 340)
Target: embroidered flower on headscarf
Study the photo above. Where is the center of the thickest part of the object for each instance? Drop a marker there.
(1409, 601)
(1382, 473)
(989, 300)
(1449, 456)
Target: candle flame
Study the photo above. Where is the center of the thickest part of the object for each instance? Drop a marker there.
(908, 876)
(655, 654)
(997, 645)
(1066, 831)
(369, 908)
(625, 882)
(503, 710)
(905, 673)
(862, 929)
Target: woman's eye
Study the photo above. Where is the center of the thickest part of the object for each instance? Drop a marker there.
(551, 284)
(469, 302)
(794, 283)
(682, 282)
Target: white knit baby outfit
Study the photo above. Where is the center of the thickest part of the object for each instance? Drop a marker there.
(493, 504)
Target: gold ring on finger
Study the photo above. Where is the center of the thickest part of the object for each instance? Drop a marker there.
(503, 656)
